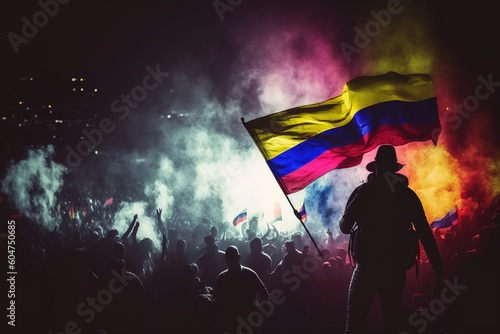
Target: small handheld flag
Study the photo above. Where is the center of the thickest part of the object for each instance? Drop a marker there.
(302, 212)
(277, 213)
(72, 213)
(447, 220)
(240, 218)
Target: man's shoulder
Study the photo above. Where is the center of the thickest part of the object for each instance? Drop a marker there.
(264, 256)
(222, 275)
(248, 271)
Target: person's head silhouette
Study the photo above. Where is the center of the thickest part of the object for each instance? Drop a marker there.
(211, 243)
(256, 245)
(233, 258)
(180, 246)
(385, 160)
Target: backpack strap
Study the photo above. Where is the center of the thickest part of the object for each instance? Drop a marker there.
(350, 250)
(417, 262)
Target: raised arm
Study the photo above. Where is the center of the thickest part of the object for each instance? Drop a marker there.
(427, 239)
(164, 246)
(161, 227)
(331, 240)
(134, 233)
(277, 234)
(129, 230)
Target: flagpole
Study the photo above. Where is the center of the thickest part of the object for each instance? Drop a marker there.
(283, 189)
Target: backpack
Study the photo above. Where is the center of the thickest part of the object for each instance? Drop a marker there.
(407, 248)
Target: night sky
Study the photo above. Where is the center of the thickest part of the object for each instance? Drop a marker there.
(113, 39)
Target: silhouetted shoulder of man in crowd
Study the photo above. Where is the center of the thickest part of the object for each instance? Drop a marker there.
(381, 209)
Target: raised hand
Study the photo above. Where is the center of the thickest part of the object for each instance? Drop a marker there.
(164, 242)
(134, 232)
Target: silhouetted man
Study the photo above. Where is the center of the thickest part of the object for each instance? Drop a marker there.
(237, 290)
(382, 208)
(259, 261)
(292, 257)
(211, 263)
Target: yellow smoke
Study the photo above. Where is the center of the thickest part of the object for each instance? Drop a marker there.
(495, 170)
(433, 174)
(405, 45)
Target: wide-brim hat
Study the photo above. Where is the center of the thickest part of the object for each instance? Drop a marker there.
(386, 155)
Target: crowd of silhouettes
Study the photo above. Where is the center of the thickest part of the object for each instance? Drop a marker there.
(77, 279)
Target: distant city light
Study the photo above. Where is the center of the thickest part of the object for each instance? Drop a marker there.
(50, 106)
(21, 102)
(95, 90)
(96, 152)
(4, 118)
(58, 121)
(82, 79)
(73, 79)
(74, 89)
(81, 89)
(169, 116)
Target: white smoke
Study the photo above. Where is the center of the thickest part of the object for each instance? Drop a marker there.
(33, 184)
(160, 190)
(203, 163)
(147, 224)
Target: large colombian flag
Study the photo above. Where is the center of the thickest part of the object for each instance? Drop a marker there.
(303, 143)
